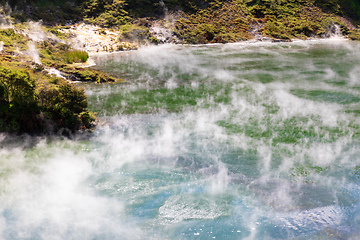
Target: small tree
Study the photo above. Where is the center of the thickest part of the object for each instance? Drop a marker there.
(16, 86)
(19, 109)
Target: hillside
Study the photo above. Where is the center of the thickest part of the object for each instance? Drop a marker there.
(203, 21)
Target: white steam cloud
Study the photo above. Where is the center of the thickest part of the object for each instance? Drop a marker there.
(48, 198)
(36, 33)
(33, 52)
(263, 158)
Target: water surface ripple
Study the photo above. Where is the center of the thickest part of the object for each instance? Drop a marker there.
(235, 141)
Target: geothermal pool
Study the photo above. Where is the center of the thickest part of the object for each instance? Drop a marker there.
(235, 141)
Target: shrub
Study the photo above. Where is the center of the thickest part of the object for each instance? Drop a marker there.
(65, 105)
(108, 13)
(355, 35)
(28, 98)
(12, 40)
(131, 32)
(19, 109)
(220, 22)
(17, 86)
(87, 118)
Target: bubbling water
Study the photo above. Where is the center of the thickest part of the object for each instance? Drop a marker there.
(278, 120)
(238, 141)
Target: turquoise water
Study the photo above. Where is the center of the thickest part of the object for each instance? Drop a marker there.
(235, 141)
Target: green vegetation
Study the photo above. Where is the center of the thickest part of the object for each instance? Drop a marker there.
(12, 41)
(132, 32)
(345, 8)
(355, 34)
(18, 108)
(33, 101)
(59, 55)
(87, 75)
(220, 23)
(107, 13)
(53, 52)
(233, 20)
(202, 21)
(294, 20)
(65, 104)
(49, 11)
(76, 56)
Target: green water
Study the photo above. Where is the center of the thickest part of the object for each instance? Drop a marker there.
(235, 141)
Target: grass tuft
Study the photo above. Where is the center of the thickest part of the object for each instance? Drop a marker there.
(75, 56)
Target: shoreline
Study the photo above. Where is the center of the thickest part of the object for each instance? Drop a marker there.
(93, 55)
(250, 42)
(97, 40)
